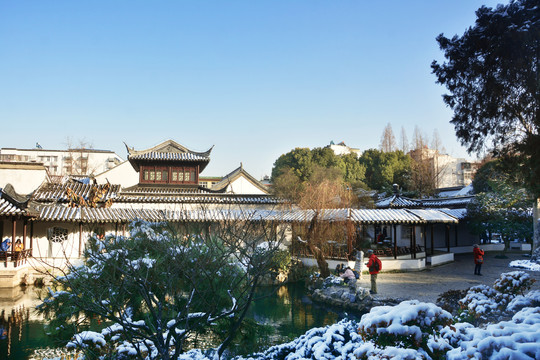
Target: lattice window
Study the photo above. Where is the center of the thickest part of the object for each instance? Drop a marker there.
(57, 234)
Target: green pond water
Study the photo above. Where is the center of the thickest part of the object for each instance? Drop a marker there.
(287, 311)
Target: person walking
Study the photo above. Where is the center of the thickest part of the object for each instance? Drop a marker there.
(374, 266)
(478, 259)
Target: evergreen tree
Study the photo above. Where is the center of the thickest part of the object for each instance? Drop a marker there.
(492, 73)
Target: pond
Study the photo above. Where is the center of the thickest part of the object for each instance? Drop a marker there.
(285, 309)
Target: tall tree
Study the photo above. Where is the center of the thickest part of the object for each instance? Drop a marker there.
(385, 169)
(493, 75)
(419, 140)
(436, 142)
(404, 141)
(388, 140)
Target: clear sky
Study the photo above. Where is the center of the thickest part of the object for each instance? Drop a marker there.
(254, 78)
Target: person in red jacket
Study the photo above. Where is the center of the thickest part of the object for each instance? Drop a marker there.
(374, 266)
(478, 259)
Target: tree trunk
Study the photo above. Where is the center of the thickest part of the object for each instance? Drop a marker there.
(536, 225)
(321, 261)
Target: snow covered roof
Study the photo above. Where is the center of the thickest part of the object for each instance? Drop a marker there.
(363, 216)
(398, 202)
(168, 150)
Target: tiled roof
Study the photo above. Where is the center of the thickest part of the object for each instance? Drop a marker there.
(399, 202)
(384, 216)
(12, 204)
(457, 213)
(363, 216)
(433, 216)
(8, 208)
(458, 201)
(58, 192)
(161, 156)
(168, 150)
(199, 199)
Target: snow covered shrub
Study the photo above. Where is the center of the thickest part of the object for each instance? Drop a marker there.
(531, 299)
(479, 303)
(337, 341)
(449, 300)
(485, 304)
(514, 283)
(409, 324)
(515, 339)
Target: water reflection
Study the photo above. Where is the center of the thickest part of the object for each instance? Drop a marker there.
(290, 312)
(21, 328)
(287, 311)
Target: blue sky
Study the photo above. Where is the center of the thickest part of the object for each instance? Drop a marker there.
(254, 78)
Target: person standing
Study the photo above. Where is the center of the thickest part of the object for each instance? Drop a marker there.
(374, 266)
(18, 245)
(5, 245)
(478, 259)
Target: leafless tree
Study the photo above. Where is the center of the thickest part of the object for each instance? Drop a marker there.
(388, 140)
(76, 162)
(404, 141)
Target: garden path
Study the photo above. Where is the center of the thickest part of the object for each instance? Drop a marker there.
(428, 284)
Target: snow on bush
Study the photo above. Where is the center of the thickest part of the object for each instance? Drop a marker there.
(337, 341)
(532, 299)
(480, 302)
(514, 283)
(407, 325)
(525, 264)
(483, 303)
(515, 339)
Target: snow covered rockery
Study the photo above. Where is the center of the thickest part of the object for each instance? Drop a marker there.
(533, 264)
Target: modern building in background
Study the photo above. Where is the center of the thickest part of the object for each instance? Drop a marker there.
(59, 163)
(342, 149)
(446, 170)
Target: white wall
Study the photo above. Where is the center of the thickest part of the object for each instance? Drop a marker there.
(24, 180)
(123, 174)
(243, 186)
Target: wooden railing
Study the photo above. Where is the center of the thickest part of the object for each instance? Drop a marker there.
(17, 257)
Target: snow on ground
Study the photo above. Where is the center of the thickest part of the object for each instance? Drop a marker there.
(525, 264)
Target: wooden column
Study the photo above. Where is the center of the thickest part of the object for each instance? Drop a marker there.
(348, 224)
(80, 239)
(32, 238)
(13, 231)
(25, 226)
(410, 240)
(432, 241)
(424, 232)
(447, 236)
(413, 248)
(395, 242)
